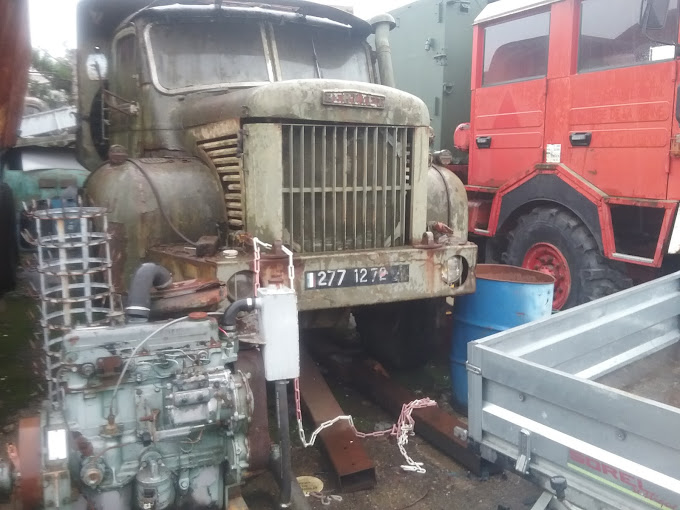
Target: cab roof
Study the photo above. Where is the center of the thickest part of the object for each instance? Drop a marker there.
(104, 16)
(503, 8)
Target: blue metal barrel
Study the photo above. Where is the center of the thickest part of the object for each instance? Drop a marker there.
(506, 297)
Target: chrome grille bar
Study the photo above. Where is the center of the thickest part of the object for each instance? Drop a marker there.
(346, 187)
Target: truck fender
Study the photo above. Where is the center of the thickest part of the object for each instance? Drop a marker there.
(555, 184)
(447, 200)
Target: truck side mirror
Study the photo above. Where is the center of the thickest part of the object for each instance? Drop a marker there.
(654, 14)
(97, 66)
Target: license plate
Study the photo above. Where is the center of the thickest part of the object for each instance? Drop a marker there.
(356, 277)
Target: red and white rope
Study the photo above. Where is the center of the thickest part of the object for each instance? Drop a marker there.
(401, 430)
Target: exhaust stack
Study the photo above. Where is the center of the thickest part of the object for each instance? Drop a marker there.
(382, 25)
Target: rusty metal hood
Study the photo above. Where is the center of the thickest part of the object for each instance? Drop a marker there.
(307, 100)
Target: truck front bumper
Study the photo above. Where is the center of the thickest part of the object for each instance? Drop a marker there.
(432, 272)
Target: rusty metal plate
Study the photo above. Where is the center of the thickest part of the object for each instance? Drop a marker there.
(250, 362)
(29, 445)
(15, 59)
(354, 468)
(186, 297)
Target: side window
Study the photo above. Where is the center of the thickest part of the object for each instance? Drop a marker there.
(124, 78)
(612, 37)
(516, 50)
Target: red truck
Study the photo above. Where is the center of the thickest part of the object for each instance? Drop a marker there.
(574, 140)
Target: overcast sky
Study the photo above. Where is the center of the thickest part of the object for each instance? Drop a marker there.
(53, 23)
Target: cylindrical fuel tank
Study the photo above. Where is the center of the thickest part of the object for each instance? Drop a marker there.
(190, 194)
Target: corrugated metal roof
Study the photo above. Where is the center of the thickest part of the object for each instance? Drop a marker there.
(504, 8)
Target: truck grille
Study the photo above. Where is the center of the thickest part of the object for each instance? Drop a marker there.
(346, 187)
(225, 155)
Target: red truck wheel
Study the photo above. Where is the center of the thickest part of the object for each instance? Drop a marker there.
(556, 242)
(548, 259)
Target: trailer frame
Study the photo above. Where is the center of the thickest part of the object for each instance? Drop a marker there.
(538, 401)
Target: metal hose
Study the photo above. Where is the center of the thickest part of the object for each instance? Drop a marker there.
(242, 305)
(139, 295)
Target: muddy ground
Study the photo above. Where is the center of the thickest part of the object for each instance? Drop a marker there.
(445, 485)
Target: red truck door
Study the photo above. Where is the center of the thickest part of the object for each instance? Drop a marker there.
(674, 174)
(509, 97)
(622, 97)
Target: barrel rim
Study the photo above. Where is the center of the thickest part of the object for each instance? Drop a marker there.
(512, 274)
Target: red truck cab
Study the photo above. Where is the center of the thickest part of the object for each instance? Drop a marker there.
(574, 140)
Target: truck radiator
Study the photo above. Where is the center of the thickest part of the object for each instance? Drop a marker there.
(225, 155)
(346, 187)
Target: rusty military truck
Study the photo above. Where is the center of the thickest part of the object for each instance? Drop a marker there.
(209, 124)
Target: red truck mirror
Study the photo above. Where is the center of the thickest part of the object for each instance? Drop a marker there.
(653, 15)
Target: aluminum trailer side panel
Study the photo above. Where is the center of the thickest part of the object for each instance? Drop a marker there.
(537, 398)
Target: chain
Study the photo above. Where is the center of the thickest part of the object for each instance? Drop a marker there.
(401, 430)
(258, 257)
(326, 500)
(256, 262)
(291, 268)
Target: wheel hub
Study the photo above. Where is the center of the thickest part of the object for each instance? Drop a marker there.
(548, 259)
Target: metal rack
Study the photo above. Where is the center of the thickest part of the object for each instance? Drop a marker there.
(74, 263)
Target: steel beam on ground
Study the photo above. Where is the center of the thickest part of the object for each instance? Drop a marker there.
(353, 467)
(432, 423)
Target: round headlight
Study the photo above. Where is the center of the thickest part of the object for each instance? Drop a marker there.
(241, 286)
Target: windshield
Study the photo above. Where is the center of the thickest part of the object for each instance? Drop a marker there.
(204, 55)
(307, 52)
(195, 56)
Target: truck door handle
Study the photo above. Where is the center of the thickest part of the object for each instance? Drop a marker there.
(483, 142)
(580, 139)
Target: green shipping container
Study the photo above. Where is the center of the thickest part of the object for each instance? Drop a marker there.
(432, 57)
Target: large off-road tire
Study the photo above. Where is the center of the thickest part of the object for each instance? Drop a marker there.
(400, 335)
(556, 242)
(8, 240)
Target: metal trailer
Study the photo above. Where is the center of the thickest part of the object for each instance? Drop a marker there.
(431, 47)
(587, 398)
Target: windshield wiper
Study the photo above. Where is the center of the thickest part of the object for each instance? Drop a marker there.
(316, 59)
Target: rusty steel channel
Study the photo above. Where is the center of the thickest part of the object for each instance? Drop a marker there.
(15, 59)
(354, 468)
(443, 430)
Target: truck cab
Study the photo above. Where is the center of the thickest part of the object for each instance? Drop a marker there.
(573, 140)
(233, 121)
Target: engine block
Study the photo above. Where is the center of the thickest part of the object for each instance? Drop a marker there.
(172, 434)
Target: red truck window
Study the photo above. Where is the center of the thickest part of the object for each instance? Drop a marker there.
(516, 50)
(613, 37)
